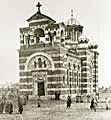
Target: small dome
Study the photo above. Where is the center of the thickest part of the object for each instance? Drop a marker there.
(72, 21)
(83, 39)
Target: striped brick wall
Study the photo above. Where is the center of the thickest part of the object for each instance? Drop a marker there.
(95, 82)
(54, 77)
(84, 69)
(57, 79)
(88, 85)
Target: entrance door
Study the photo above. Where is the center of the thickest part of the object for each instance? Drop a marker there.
(41, 91)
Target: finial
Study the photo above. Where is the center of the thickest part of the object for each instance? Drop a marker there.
(38, 5)
(71, 16)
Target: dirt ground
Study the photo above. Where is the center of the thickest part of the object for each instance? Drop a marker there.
(56, 110)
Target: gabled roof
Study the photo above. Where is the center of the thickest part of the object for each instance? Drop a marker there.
(38, 16)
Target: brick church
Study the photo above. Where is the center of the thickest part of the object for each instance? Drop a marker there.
(55, 58)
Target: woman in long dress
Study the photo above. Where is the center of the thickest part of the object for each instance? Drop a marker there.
(7, 107)
(107, 103)
(1, 107)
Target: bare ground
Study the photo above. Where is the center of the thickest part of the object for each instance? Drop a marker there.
(56, 110)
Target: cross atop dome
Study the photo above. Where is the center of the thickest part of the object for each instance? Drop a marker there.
(38, 5)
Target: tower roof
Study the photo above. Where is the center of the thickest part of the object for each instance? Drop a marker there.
(39, 16)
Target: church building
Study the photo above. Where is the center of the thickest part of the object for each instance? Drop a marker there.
(54, 58)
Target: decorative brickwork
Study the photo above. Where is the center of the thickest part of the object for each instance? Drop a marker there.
(54, 60)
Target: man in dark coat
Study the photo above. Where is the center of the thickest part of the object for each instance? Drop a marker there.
(20, 107)
(1, 106)
(68, 102)
(7, 107)
(92, 106)
(10, 107)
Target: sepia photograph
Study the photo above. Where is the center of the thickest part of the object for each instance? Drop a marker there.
(55, 60)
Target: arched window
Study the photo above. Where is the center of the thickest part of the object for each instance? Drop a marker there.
(62, 33)
(35, 64)
(50, 36)
(22, 37)
(64, 79)
(39, 63)
(78, 67)
(28, 40)
(54, 33)
(69, 65)
(32, 40)
(39, 33)
(74, 66)
(44, 63)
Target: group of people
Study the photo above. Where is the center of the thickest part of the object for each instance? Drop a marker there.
(93, 103)
(7, 107)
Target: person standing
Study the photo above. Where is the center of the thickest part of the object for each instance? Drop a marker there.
(1, 106)
(88, 98)
(68, 102)
(39, 100)
(20, 107)
(7, 107)
(10, 107)
(93, 106)
(107, 103)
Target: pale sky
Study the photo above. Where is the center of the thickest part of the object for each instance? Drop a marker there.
(94, 15)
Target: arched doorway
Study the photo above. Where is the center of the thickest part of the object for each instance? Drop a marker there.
(39, 83)
(39, 64)
(41, 90)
